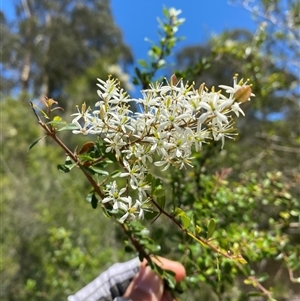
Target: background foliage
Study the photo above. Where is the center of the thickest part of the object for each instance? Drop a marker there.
(53, 243)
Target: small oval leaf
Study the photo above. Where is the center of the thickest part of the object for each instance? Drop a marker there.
(86, 147)
(186, 221)
(211, 228)
(34, 143)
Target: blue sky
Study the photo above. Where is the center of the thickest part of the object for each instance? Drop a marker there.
(138, 20)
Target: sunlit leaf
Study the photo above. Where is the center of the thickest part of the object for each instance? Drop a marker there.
(56, 122)
(178, 211)
(248, 281)
(241, 259)
(185, 220)
(198, 229)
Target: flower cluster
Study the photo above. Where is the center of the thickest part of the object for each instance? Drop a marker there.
(174, 119)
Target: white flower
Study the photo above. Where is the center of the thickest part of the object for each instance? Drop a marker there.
(181, 144)
(165, 162)
(159, 142)
(175, 119)
(115, 143)
(214, 107)
(136, 172)
(120, 122)
(237, 110)
(220, 132)
(135, 211)
(82, 121)
(114, 195)
(140, 152)
(84, 129)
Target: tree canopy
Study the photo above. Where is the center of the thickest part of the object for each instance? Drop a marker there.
(50, 42)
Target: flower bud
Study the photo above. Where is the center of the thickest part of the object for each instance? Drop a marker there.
(83, 108)
(243, 94)
(173, 80)
(102, 112)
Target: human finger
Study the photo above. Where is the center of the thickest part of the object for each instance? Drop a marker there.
(146, 286)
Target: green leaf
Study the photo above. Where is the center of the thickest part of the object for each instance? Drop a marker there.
(69, 127)
(161, 201)
(166, 12)
(89, 170)
(248, 282)
(151, 215)
(143, 63)
(198, 229)
(129, 249)
(178, 211)
(35, 107)
(186, 221)
(255, 294)
(169, 277)
(241, 259)
(211, 228)
(34, 143)
(138, 73)
(115, 173)
(94, 201)
(99, 171)
(67, 166)
(57, 118)
(157, 188)
(63, 168)
(159, 191)
(91, 198)
(263, 277)
(56, 122)
(85, 158)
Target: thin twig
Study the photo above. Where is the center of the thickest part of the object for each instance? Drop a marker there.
(198, 238)
(260, 287)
